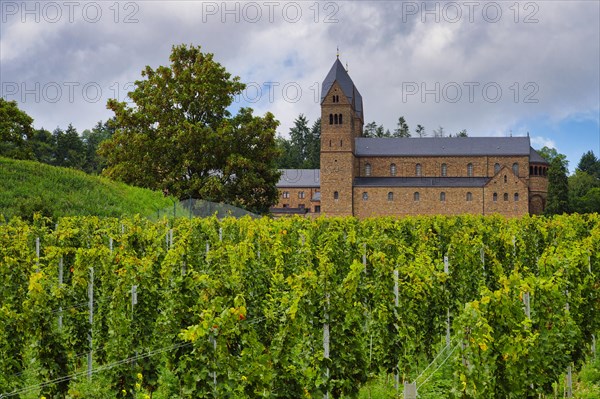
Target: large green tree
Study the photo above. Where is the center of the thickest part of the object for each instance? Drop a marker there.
(313, 155)
(15, 130)
(583, 192)
(558, 187)
(299, 136)
(372, 130)
(589, 164)
(43, 146)
(93, 162)
(402, 129)
(70, 151)
(181, 138)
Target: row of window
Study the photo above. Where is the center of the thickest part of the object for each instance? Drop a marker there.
(286, 194)
(444, 169)
(538, 170)
(335, 119)
(417, 196)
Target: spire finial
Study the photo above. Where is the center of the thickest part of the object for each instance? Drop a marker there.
(346, 66)
(338, 52)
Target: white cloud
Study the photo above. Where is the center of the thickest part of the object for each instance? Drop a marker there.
(554, 60)
(539, 142)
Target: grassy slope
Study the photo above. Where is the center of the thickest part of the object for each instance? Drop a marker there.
(27, 186)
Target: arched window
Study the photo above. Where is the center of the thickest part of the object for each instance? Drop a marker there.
(393, 169)
(335, 119)
(505, 179)
(390, 196)
(444, 170)
(336, 195)
(496, 168)
(495, 197)
(531, 170)
(516, 197)
(470, 170)
(340, 119)
(516, 169)
(330, 143)
(416, 196)
(469, 196)
(442, 196)
(365, 196)
(535, 170)
(418, 169)
(367, 169)
(341, 143)
(331, 119)
(505, 196)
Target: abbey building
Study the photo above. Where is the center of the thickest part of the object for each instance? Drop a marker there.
(367, 177)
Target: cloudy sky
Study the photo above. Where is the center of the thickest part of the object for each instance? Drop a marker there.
(493, 68)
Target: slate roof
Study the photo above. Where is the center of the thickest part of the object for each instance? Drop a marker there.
(443, 146)
(339, 73)
(299, 178)
(536, 158)
(421, 181)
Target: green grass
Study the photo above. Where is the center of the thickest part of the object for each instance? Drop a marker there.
(27, 187)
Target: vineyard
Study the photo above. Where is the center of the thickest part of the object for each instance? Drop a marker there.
(295, 308)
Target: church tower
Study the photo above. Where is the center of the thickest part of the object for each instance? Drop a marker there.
(341, 122)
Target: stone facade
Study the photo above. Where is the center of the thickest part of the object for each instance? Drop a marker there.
(300, 198)
(405, 176)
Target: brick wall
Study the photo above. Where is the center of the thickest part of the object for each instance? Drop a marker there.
(483, 166)
(429, 201)
(511, 195)
(338, 163)
(294, 199)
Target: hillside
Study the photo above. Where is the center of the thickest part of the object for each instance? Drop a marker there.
(27, 187)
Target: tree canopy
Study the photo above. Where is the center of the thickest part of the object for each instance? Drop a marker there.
(558, 187)
(15, 130)
(180, 136)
